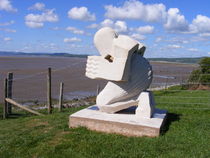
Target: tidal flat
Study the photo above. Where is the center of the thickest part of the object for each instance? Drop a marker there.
(30, 76)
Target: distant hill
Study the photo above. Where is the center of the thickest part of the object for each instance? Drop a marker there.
(3, 53)
(178, 60)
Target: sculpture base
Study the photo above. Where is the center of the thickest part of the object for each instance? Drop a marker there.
(124, 122)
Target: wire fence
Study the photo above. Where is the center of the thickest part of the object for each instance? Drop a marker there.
(30, 87)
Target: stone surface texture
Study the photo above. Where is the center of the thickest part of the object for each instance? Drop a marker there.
(125, 122)
(146, 105)
(121, 62)
(129, 75)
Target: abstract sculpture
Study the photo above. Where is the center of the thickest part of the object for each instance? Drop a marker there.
(128, 73)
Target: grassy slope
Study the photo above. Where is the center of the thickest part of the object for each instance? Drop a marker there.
(186, 134)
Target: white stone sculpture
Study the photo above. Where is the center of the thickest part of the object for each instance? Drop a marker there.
(129, 74)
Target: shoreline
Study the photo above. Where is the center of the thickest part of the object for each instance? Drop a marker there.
(170, 62)
(83, 56)
(30, 76)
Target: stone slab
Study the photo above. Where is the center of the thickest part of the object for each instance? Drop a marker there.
(124, 122)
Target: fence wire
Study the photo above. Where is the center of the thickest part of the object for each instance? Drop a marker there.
(31, 88)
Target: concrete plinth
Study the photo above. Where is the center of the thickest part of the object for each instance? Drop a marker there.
(124, 122)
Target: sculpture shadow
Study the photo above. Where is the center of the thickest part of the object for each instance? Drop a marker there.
(171, 117)
(166, 92)
(131, 110)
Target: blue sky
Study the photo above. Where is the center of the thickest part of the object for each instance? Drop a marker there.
(168, 28)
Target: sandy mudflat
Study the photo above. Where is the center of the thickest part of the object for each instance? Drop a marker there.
(30, 76)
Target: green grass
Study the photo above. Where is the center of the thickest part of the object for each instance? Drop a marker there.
(186, 134)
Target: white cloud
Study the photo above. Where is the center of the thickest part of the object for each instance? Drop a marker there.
(119, 26)
(145, 29)
(75, 46)
(204, 34)
(107, 23)
(175, 21)
(172, 19)
(174, 46)
(197, 38)
(56, 28)
(25, 48)
(134, 9)
(92, 26)
(6, 5)
(81, 13)
(53, 46)
(208, 53)
(138, 36)
(200, 24)
(8, 30)
(34, 24)
(177, 39)
(73, 39)
(75, 30)
(37, 6)
(7, 23)
(193, 49)
(7, 39)
(37, 20)
(185, 42)
(158, 39)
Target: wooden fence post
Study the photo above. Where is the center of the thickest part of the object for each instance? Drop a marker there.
(9, 91)
(182, 82)
(166, 84)
(61, 97)
(49, 99)
(5, 102)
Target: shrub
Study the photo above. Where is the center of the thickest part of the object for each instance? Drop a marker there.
(202, 74)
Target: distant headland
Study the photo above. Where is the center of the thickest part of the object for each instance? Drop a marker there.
(193, 60)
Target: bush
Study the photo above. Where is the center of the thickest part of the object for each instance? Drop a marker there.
(202, 74)
(205, 65)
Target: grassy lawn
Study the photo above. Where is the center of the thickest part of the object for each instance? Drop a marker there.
(186, 134)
